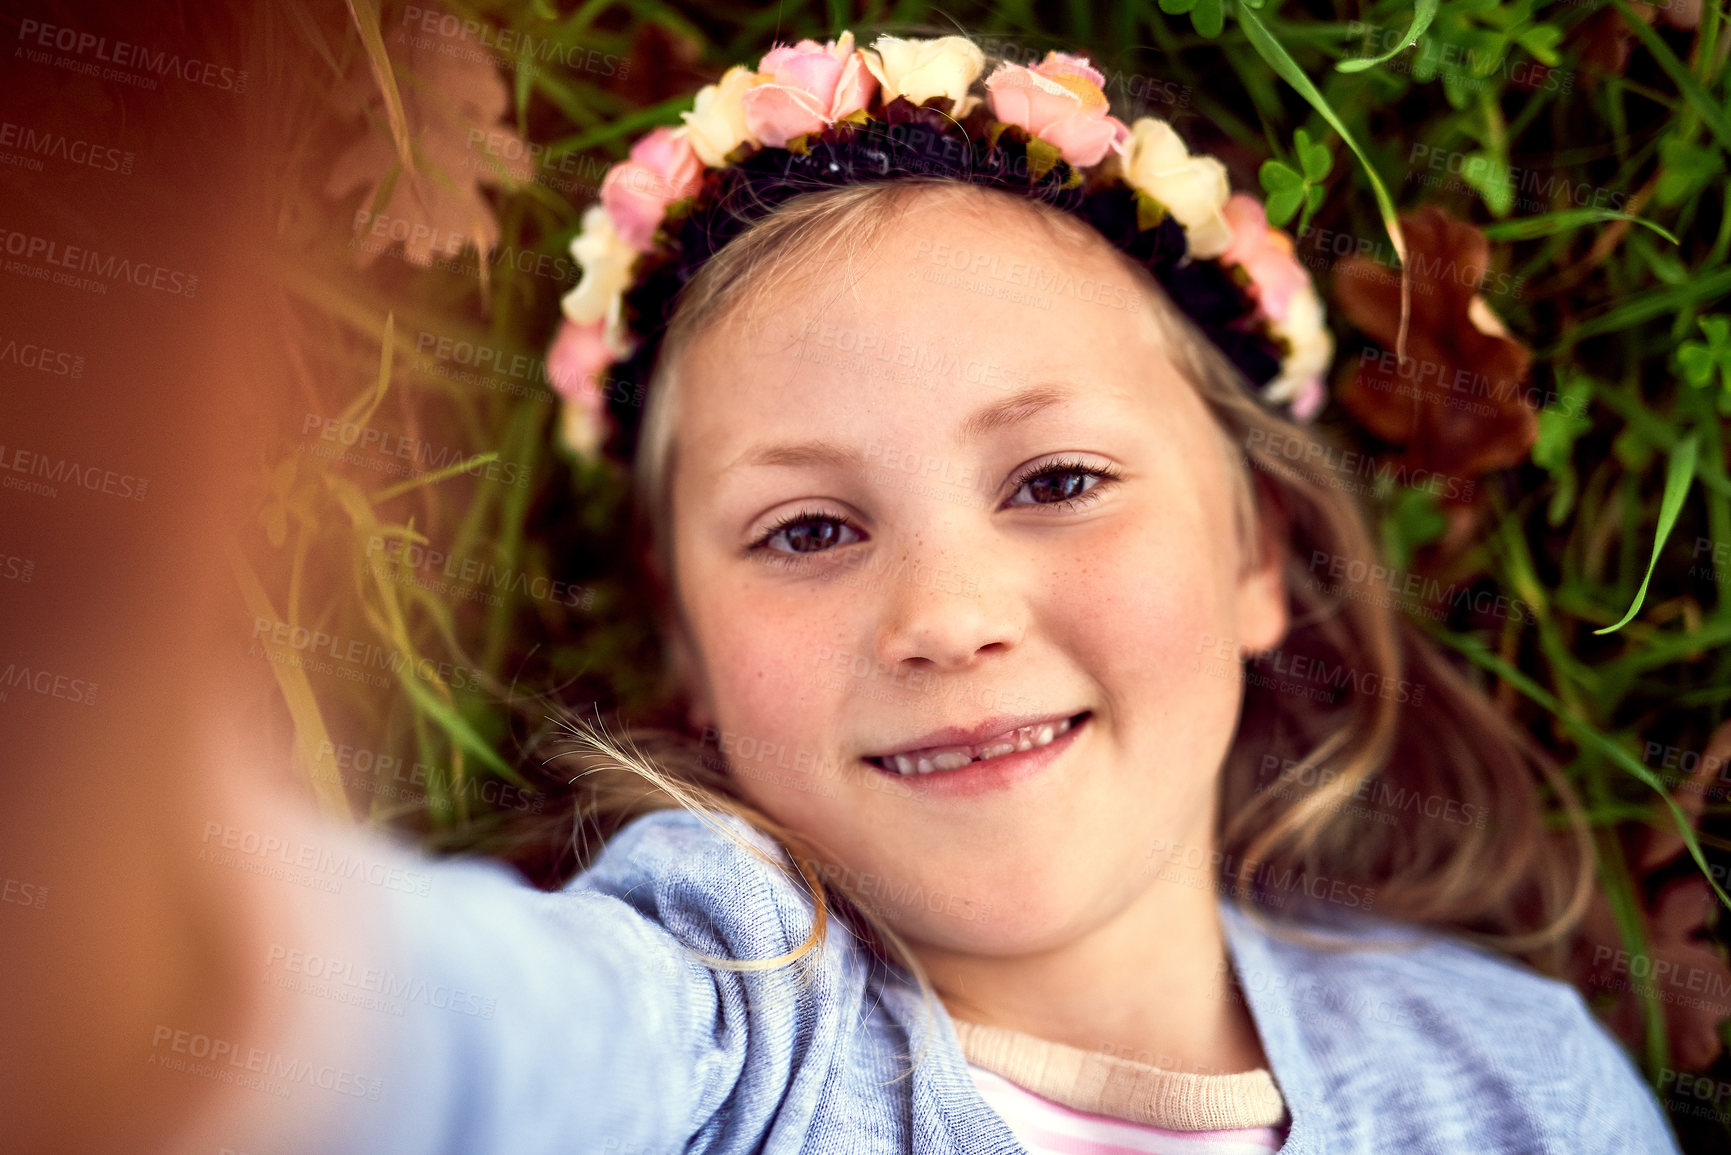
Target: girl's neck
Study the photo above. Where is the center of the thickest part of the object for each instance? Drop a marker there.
(1152, 984)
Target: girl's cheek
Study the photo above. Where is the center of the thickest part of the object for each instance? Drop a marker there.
(1156, 598)
(774, 676)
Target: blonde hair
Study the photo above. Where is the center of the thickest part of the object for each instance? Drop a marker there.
(1505, 882)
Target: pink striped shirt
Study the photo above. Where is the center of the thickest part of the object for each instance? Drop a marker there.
(1048, 1128)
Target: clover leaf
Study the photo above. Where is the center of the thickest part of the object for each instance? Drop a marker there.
(1209, 16)
(1289, 188)
(1560, 426)
(1411, 520)
(1699, 359)
(1684, 169)
(1285, 189)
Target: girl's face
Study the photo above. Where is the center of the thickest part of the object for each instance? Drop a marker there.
(959, 485)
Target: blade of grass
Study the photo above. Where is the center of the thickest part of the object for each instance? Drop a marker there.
(354, 414)
(1633, 409)
(1663, 649)
(1587, 735)
(1679, 472)
(1641, 307)
(393, 626)
(1275, 54)
(1710, 466)
(1422, 14)
(1696, 99)
(565, 97)
(656, 114)
(366, 17)
(383, 495)
(462, 733)
(1549, 224)
(526, 427)
(1572, 676)
(310, 733)
(1625, 904)
(438, 800)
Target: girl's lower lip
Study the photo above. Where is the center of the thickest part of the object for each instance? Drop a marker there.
(998, 773)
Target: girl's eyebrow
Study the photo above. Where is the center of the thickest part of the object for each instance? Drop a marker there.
(999, 414)
(1012, 409)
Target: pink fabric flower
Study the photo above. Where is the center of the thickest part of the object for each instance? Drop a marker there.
(1308, 403)
(1059, 64)
(636, 192)
(1264, 253)
(576, 365)
(811, 86)
(1061, 101)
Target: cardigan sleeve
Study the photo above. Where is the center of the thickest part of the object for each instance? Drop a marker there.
(485, 1017)
(1619, 1112)
(475, 1015)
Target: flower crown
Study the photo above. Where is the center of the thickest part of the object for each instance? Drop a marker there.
(816, 116)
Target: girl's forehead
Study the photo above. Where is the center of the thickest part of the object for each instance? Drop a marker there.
(870, 378)
(956, 271)
(955, 306)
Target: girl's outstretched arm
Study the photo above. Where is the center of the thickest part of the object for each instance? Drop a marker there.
(193, 960)
(217, 968)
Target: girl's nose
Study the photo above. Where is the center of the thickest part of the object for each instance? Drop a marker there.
(948, 606)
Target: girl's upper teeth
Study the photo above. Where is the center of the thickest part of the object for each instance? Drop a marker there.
(955, 757)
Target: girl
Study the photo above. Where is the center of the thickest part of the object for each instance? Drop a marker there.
(1024, 786)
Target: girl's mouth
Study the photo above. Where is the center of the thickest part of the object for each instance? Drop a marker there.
(933, 759)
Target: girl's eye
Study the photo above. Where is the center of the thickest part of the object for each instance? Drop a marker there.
(1069, 484)
(1066, 483)
(805, 532)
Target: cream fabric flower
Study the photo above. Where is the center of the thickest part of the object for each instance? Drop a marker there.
(606, 259)
(716, 123)
(583, 430)
(1194, 189)
(918, 70)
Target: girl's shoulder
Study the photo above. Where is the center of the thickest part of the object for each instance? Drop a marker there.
(1366, 1010)
(1421, 970)
(692, 845)
(712, 880)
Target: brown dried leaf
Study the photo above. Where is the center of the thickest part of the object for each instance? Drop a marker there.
(1660, 843)
(450, 91)
(1458, 404)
